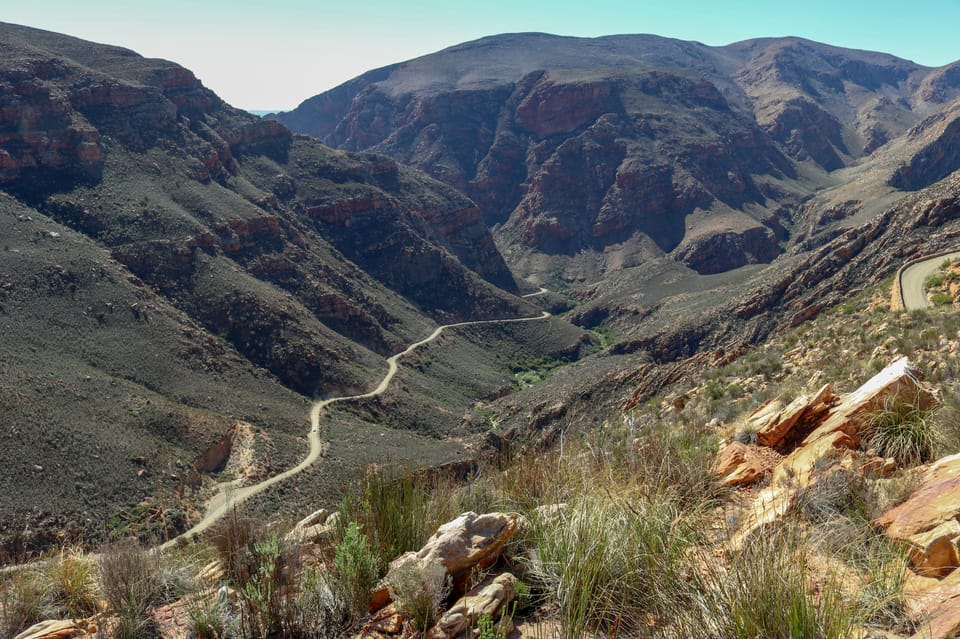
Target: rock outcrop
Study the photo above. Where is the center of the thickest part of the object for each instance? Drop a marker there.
(824, 445)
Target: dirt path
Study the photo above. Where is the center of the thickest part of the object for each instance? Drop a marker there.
(540, 292)
(231, 496)
(913, 277)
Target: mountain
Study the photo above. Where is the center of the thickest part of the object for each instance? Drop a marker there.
(588, 155)
(179, 278)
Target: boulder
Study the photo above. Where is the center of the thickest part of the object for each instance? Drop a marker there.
(387, 623)
(489, 599)
(928, 520)
(900, 380)
(936, 610)
(467, 541)
(315, 527)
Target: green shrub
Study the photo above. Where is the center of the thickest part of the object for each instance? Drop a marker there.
(358, 569)
(941, 299)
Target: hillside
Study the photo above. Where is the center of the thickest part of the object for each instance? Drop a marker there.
(179, 279)
(804, 489)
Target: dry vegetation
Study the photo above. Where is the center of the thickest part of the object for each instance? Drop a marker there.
(626, 528)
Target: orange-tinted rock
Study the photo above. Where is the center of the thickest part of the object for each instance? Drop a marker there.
(739, 464)
(60, 629)
(898, 381)
(386, 623)
(936, 610)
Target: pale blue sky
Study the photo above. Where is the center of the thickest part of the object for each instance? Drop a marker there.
(273, 55)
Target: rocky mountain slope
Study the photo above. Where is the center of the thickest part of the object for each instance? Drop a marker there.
(595, 154)
(173, 266)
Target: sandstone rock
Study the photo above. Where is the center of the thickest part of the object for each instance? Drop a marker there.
(928, 520)
(60, 629)
(467, 541)
(802, 410)
(488, 599)
(311, 528)
(936, 610)
(387, 623)
(899, 380)
(739, 464)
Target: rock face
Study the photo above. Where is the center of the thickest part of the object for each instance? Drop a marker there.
(580, 145)
(489, 599)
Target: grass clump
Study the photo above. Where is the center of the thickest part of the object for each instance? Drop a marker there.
(607, 563)
(71, 577)
(763, 591)
(24, 601)
(905, 431)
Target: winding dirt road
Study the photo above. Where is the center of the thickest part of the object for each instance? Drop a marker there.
(912, 278)
(230, 496)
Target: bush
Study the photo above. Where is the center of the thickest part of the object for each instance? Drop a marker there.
(267, 599)
(420, 591)
(358, 569)
(397, 509)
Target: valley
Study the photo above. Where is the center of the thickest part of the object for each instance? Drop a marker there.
(530, 289)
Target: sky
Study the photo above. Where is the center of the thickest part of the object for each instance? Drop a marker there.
(261, 55)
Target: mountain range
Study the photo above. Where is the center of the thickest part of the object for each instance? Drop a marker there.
(179, 278)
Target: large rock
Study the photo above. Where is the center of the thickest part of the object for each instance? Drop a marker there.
(469, 540)
(804, 409)
(840, 431)
(937, 610)
(928, 520)
(739, 464)
(489, 599)
(900, 380)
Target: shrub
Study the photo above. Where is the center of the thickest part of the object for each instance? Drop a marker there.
(267, 599)
(397, 509)
(231, 538)
(357, 568)
(420, 591)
